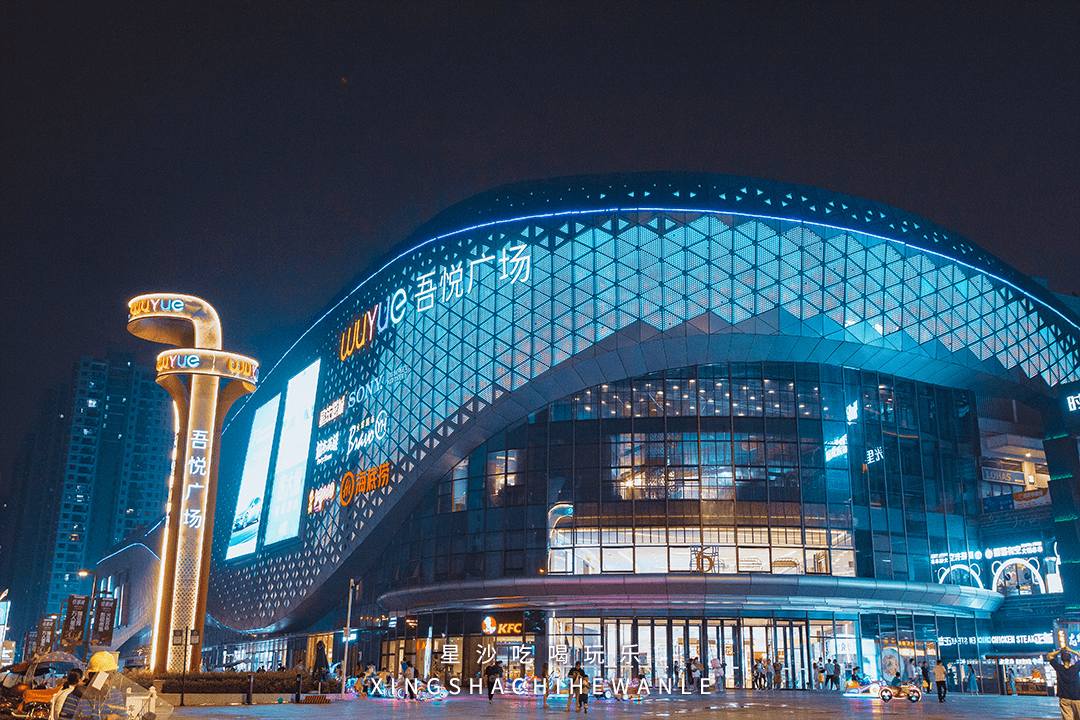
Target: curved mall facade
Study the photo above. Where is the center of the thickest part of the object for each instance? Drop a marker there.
(634, 419)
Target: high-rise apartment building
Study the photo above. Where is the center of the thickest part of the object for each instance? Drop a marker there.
(93, 467)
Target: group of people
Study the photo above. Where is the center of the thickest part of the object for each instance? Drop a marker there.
(768, 675)
(826, 674)
(694, 672)
(578, 684)
(372, 682)
(92, 698)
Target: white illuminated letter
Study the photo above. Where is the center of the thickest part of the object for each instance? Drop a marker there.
(397, 306)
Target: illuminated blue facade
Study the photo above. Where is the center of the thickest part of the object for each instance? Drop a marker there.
(816, 355)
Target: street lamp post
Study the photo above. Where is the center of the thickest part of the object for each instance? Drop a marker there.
(91, 606)
(345, 639)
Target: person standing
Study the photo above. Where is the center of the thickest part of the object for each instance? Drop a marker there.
(1010, 680)
(939, 680)
(544, 679)
(1068, 684)
(573, 682)
(410, 679)
(100, 699)
(583, 696)
(71, 683)
(926, 676)
(972, 680)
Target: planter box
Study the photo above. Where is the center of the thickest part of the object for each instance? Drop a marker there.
(219, 699)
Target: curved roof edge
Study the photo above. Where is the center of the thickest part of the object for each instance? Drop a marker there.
(692, 591)
(715, 192)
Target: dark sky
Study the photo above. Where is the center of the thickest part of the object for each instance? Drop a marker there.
(260, 155)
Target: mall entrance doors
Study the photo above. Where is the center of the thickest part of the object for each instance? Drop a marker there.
(670, 650)
(773, 653)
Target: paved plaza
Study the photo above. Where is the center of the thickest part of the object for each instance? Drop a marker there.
(737, 704)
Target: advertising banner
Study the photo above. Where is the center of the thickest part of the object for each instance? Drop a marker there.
(104, 619)
(1031, 498)
(1016, 500)
(46, 634)
(74, 621)
(29, 644)
(249, 503)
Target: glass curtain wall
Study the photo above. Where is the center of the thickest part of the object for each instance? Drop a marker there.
(787, 468)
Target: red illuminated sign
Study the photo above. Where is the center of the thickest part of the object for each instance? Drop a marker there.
(362, 482)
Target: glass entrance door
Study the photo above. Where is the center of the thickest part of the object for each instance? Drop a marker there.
(774, 654)
(791, 649)
(757, 650)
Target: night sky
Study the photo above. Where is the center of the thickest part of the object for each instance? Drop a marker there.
(261, 155)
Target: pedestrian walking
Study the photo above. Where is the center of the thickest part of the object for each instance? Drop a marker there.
(926, 676)
(836, 669)
(1068, 684)
(492, 675)
(972, 680)
(768, 674)
(939, 680)
(583, 696)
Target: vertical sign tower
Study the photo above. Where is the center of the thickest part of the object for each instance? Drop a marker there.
(203, 382)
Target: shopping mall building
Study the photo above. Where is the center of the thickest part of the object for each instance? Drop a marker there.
(635, 419)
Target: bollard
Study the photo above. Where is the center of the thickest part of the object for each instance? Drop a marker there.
(299, 688)
(251, 689)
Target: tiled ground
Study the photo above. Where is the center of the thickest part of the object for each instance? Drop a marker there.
(747, 705)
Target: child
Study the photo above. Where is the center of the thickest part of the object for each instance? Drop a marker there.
(583, 698)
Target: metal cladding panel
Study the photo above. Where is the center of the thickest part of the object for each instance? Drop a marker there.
(695, 591)
(718, 586)
(515, 288)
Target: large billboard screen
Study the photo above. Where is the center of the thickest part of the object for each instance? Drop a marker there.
(249, 502)
(290, 470)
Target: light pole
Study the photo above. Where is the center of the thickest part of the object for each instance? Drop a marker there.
(91, 606)
(348, 629)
